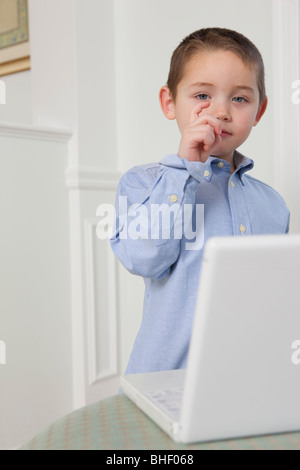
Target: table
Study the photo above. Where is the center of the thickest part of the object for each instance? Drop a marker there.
(117, 424)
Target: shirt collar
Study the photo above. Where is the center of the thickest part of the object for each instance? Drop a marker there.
(242, 164)
(197, 169)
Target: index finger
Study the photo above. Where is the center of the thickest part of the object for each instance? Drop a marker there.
(198, 109)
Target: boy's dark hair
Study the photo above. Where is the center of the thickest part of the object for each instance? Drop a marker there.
(212, 39)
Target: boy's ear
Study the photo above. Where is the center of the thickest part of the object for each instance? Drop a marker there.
(261, 111)
(166, 102)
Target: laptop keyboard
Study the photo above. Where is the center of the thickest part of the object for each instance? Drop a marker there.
(169, 400)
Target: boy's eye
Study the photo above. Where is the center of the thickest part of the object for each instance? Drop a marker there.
(202, 96)
(239, 99)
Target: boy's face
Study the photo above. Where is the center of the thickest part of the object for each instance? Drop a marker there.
(229, 88)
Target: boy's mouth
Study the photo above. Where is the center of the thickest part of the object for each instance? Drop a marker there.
(224, 133)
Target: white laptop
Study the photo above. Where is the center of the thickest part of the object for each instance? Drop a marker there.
(243, 376)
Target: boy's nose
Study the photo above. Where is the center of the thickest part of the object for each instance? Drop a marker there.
(223, 115)
(221, 111)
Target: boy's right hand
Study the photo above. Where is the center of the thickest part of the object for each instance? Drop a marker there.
(200, 135)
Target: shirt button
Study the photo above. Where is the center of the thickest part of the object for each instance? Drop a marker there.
(221, 164)
(173, 198)
(243, 228)
(206, 173)
(232, 184)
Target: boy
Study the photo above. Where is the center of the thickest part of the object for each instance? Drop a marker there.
(216, 93)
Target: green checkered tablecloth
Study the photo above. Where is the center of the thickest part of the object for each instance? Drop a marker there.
(117, 424)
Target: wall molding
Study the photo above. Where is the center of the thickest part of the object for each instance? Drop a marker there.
(84, 178)
(23, 131)
(102, 323)
(94, 288)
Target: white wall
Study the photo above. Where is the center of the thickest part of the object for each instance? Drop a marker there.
(52, 44)
(97, 66)
(18, 107)
(35, 313)
(35, 276)
(286, 71)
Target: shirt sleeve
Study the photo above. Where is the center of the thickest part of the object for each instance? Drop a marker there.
(149, 206)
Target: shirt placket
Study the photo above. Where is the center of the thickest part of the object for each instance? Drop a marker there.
(239, 211)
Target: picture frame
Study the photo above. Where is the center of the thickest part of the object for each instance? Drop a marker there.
(14, 37)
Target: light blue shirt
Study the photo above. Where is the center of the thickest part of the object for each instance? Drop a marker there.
(234, 204)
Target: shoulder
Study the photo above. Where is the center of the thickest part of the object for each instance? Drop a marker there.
(150, 172)
(140, 175)
(262, 187)
(266, 200)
